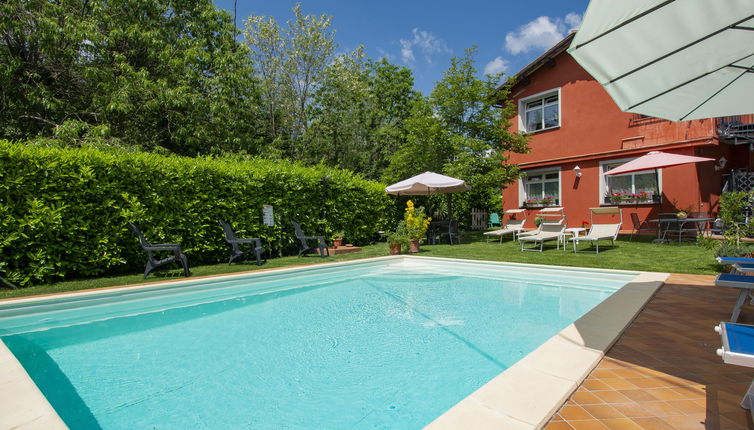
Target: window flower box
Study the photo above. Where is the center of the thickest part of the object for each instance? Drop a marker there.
(541, 203)
(632, 199)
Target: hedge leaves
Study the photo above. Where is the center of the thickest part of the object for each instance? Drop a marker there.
(63, 212)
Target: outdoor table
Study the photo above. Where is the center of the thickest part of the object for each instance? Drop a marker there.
(434, 228)
(666, 222)
(574, 231)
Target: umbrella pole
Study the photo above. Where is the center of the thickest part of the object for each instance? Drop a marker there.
(450, 208)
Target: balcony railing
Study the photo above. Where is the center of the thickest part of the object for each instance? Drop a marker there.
(740, 180)
(737, 130)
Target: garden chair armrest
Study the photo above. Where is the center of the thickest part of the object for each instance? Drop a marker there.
(164, 247)
(255, 240)
(320, 238)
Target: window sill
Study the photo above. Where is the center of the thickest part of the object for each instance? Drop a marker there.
(655, 200)
(554, 205)
(643, 203)
(541, 130)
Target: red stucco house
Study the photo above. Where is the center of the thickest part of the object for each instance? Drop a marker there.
(577, 132)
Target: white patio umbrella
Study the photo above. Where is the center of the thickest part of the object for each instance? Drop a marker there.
(672, 59)
(655, 160)
(426, 184)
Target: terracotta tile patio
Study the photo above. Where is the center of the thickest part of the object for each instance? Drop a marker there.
(663, 372)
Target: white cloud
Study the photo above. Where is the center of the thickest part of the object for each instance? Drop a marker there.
(541, 33)
(407, 53)
(573, 20)
(425, 42)
(498, 65)
(386, 55)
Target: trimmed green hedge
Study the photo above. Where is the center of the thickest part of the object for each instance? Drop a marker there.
(64, 212)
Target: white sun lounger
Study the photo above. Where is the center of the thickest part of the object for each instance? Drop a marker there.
(512, 226)
(546, 232)
(549, 215)
(538, 229)
(601, 231)
(596, 233)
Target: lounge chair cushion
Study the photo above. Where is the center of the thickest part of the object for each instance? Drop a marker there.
(740, 338)
(546, 232)
(734, 281)
(600, 232)
(510, 227)
(734, 260)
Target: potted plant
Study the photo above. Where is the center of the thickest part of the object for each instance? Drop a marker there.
(337, 239)
(538, 220)
(642, 196)
(547, 201)
(396, 239)
(585, 225)
(416, 224)
(618, 197)
(530, 203)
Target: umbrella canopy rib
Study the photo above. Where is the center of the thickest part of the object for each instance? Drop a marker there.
(624, 23)
(682, 48)
(678, 60)
(711, 72)
(716, 93)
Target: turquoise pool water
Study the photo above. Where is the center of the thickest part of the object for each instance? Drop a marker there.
(366, 345)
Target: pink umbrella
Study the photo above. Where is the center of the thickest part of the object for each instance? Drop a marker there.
(655, 160)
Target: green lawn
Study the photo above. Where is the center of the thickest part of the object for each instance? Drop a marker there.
(643, 255)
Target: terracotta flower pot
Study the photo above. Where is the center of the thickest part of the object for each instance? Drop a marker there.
(395, 248)
(413, 246)
(337, 242)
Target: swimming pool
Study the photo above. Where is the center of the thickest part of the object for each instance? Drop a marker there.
(389, 343)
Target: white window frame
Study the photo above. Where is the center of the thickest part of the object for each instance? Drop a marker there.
(603, 178)
(522, 195)
(522, 109)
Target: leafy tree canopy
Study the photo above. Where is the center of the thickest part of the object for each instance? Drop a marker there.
(169, 75)
(460, 131)
(146, 73)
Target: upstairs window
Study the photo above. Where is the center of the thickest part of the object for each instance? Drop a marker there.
(541, 112)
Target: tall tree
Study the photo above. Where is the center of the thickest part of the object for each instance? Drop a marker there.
(460, 131)
(338, 133)
(157, 73)
(267, 49)
(290, 62)
(394, 98)
(358, 113)
(311, 48)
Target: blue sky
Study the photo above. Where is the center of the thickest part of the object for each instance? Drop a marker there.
(423, 35)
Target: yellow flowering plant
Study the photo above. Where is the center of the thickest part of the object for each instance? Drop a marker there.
(415, 221)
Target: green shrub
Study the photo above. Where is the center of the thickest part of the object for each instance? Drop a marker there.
(732, 207)
(733, 251)
(64, 211)
(708, 242)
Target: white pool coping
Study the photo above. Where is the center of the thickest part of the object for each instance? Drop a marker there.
(524, 396)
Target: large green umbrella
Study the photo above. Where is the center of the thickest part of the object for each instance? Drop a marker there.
(672, 59)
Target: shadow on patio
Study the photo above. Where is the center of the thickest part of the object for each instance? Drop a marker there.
(663, 372)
